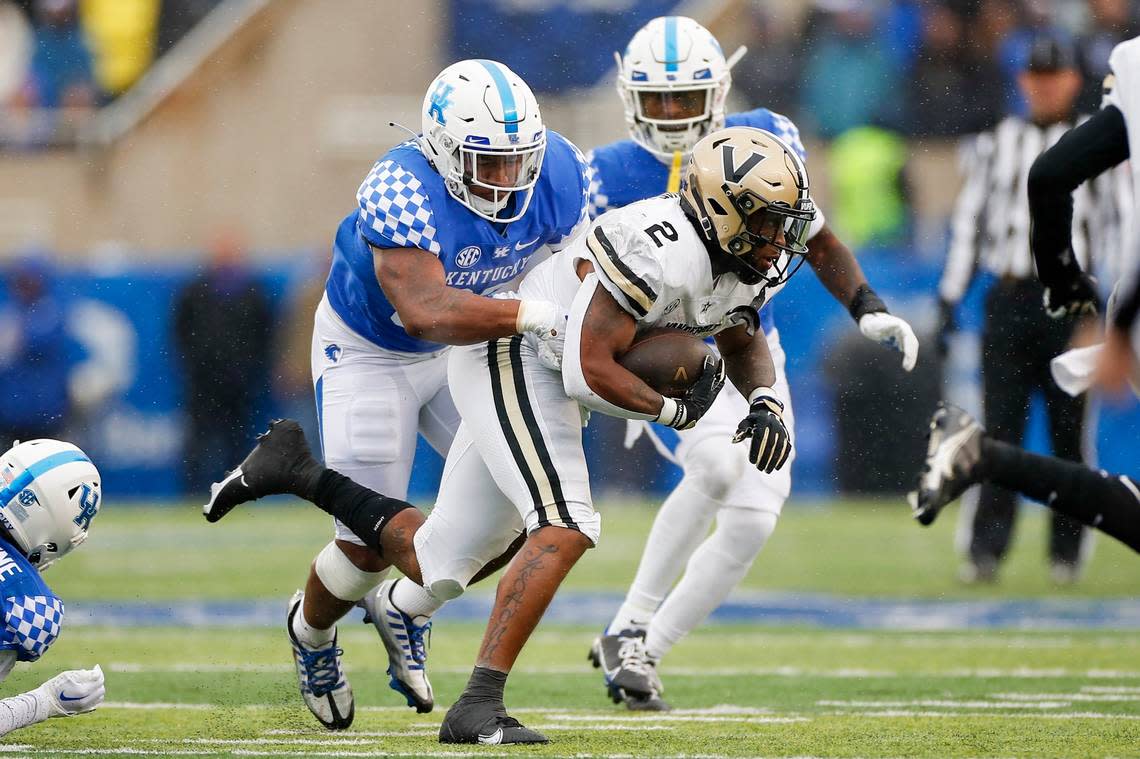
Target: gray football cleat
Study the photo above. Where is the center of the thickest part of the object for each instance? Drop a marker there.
(323, 686)
(631, 676)
(407, 650)
(953, 452)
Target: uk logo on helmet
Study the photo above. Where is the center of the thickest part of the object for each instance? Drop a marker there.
(468, 257)
(88, 506)
(440, 99)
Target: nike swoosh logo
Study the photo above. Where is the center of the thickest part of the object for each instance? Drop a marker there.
(494, 739)
(521, 245)
(65, 697)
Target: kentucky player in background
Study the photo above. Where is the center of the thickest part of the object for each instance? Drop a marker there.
(674, 80)
(49, 495)
(455, 213)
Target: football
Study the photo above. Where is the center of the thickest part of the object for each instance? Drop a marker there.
(668, 360)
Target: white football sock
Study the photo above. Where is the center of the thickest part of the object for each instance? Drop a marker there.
(311, 637)
(716, 567)
(414, 600)
(682, 522)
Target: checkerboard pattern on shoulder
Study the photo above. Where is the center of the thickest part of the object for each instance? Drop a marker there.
(783, 128)
(31, 625)
(392, 203)
(599, 203)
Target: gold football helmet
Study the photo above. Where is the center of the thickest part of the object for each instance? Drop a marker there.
(749, 194)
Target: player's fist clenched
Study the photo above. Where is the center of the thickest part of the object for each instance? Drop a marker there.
(771, 444)
(683, 413)
(74, 692)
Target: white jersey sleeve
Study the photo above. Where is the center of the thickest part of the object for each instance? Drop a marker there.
(626, 262)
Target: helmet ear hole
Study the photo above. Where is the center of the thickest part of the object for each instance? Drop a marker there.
(716, 207)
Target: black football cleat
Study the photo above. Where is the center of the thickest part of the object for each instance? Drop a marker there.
(280, 463)
(472, 720)
(953, 452)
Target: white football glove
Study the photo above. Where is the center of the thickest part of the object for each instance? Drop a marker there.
(74, 692)
(893, 332)
(543, 318)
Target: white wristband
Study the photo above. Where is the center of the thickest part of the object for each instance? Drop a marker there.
(762, 391)
(668, 411)
(535, 315)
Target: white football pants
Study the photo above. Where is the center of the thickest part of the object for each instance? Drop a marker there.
(517, 464)
(372, 403)
(718, 483)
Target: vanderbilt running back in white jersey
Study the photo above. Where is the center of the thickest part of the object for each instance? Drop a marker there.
(650, 258)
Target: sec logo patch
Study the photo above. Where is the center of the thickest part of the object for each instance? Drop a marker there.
(468, 257)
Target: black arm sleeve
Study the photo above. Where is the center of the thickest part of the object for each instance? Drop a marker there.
(1081, 154)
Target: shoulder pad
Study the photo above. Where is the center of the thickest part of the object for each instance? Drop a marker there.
(395, 211)
(31, 625)
(626, 265)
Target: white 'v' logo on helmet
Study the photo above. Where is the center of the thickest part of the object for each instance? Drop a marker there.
(50, 493)
(673, 80)
(483, 133)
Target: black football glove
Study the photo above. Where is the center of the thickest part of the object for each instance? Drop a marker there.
(771, 444)
(682, 413)
(1074, 298)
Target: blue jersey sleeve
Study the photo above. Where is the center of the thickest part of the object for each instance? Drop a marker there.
(572, 189)
(598, 202)
(776, 123)
(395, 211)
(31, 625)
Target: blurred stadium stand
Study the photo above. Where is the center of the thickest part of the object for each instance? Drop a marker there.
(263, 116)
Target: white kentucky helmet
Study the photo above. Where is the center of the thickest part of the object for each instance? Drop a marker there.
(51, 492)
(673, 81)
(483, 133)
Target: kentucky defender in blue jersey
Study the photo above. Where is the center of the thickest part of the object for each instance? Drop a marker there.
(463, 210)
(49, 493)
(674, 80)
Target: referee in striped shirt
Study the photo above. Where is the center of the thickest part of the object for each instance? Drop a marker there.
(990, 229)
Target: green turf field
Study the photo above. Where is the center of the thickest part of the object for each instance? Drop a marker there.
(739, 690)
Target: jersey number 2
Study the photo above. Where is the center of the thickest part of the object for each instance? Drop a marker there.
(665, 229)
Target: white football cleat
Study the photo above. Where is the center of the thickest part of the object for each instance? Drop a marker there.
(407, 650)
(323, 685)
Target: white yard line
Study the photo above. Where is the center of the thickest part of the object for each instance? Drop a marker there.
(784, 671)
(898, 713)
(1068, 696)
(947, 704)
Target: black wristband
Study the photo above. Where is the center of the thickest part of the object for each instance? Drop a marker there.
(866, 302)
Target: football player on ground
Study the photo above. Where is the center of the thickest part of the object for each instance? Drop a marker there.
(959, 453)
(459, 211)
(50, 493)
(674, 80)
(703, 261)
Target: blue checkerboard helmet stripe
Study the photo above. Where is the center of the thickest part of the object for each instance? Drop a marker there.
(673, 81)
(51, 492)
(482, 131)
(31, 625)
